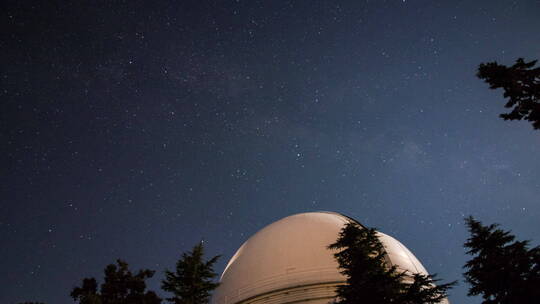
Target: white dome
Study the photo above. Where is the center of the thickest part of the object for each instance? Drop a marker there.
(288, 261)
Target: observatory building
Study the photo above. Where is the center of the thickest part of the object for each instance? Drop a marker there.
(288, 262)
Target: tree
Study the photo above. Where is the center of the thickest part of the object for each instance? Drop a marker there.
(120, 286)
(502, 270)
(192, 281)
(371, 280)
(521, 85)
(88, 293)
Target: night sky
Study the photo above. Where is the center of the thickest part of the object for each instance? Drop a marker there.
(134, 130)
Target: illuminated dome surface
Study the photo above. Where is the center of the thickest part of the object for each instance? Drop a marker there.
(288, 261)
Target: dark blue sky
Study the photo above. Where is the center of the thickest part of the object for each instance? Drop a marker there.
(135, 130)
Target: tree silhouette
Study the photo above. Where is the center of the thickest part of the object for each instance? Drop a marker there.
(120, 287)
(88, 293)
(521, 85)
(371, 280)
(502, 270)
(192, 281)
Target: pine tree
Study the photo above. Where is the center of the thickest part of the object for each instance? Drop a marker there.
(371, 280)
(192, 281)
(502, 270)
(120, 287)
(521, 85)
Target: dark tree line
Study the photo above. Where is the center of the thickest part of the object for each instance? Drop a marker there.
(190, 283)
(501, 270)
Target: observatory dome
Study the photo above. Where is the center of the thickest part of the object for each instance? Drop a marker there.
(288, 261)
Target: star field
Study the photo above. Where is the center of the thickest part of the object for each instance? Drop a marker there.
(134, 130)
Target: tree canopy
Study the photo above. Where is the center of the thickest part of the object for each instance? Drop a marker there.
(120, 286)
(372, 280)
(193, 279)
(521, 85)
(502, 270)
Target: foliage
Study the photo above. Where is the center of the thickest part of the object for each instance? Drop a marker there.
(120, 287)
(192, 281)
(371, 279)
(521, 85)
(502, 270)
